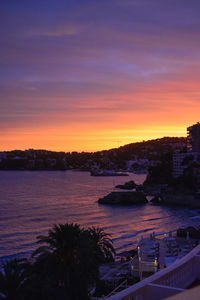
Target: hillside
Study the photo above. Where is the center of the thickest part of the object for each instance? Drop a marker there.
(140, 154)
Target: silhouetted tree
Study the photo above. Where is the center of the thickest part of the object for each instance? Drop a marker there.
(103, 243)
(70, 257)
(13, 279)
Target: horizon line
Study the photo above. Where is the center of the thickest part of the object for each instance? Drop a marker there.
(135, 142)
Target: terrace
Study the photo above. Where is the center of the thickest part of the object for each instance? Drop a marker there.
(173, 280)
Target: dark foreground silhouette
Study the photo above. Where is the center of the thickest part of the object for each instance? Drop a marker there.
(65, 265)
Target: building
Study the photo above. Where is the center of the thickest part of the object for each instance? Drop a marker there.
(193, 138)
(3, 156)
(178, 166)
(193, 151)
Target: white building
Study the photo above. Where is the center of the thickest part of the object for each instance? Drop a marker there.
(178, 158)
(193, 138)
(178, 167)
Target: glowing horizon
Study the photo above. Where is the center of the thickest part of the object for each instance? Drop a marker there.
(97, 142)
(95, 75)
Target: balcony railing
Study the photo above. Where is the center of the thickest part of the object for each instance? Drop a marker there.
(170, 281)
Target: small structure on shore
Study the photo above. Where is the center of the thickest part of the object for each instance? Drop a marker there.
(192, 231)
(155, 254)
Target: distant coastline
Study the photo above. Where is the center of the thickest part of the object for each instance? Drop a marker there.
(133, 157)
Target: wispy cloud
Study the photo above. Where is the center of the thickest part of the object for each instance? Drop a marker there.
(100, 64)
(58, 31)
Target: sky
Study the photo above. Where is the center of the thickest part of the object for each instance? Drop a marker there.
(87, 75)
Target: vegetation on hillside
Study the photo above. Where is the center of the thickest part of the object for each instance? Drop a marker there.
(109, 159)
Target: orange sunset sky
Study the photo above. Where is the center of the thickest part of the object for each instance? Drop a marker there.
(93, 75)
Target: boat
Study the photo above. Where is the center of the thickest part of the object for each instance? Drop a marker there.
(97, 172)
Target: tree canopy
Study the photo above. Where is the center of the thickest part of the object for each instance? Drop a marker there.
(65, 265)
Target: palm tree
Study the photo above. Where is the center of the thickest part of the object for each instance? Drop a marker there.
(13, 278)
(62, 242)
(67, 259)
(70, 257)
(103, 242)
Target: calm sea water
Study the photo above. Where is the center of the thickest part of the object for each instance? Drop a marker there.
(32, 202)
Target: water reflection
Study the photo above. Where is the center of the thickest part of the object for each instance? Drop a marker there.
(32, 202)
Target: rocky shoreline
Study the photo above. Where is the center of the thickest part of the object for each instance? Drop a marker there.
(124, 198)
(180, 199)
(129, 185)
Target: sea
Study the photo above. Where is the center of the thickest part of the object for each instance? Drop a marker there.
(32, 202)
